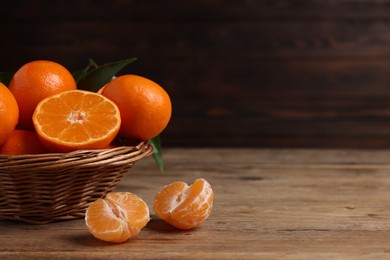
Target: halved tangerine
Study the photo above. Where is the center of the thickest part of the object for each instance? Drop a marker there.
(76, 119)
(183, 206)
(117, 217)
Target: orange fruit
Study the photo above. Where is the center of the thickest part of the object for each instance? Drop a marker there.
(22, 142)
(76, 119)
(101, 89)
(117, 217)
(35, 81)
(183, 206)
(9, 113)
(144, 105)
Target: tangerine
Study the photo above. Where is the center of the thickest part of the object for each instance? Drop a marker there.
(22, 142)
(117, 217)
(76, 119)
(144, 105)
(35, 81)
(9, 113)
(183, 206)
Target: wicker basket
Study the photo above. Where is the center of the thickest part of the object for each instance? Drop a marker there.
(44, 188)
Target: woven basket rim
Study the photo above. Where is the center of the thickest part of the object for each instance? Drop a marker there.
(78, 158)
(69, 154)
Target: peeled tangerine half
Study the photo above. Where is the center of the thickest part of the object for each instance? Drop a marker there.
(117, 217)
(76, 119)
(183, 206)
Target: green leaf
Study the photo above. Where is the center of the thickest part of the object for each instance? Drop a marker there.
(157, 154)
(5, 77)
(95, 78)
(78, 75)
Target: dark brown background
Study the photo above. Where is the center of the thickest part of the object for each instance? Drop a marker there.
(266, 73)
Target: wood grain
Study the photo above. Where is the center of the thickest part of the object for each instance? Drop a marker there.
(290, 204)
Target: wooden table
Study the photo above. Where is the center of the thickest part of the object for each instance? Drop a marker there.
(285, 204)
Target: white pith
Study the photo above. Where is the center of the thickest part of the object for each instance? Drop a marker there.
(78, 117)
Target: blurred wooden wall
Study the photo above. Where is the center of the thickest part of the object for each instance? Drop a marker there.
(266, 73)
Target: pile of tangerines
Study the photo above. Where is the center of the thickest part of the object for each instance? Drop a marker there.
(42, 111)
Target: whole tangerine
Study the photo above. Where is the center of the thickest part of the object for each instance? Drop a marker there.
(145, 107)
(9, 113)
(21, 142)
(35, 81)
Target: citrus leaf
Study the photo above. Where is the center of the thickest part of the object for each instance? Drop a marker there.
(78, 75)
(95, 78)
(157, 153)
(5, 77)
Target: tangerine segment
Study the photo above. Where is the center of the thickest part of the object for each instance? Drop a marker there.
(117, 217)
(184, 206)
(76, 119)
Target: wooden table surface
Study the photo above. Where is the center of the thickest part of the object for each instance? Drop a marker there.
(269, 204)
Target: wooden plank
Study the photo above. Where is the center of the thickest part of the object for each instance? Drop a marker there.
(198, 10)
(231, 41)
(282, 122)
(304, 204)
(222, 80)
(231, 81)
